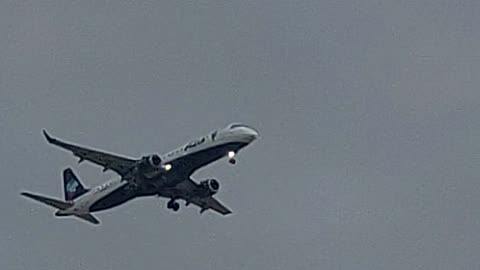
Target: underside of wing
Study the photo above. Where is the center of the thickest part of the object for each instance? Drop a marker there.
(186, 191)
(211, 203)
(118, 164)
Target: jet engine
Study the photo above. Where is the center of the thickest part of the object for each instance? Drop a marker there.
(154, 160)
(150, 165)
(209, 187)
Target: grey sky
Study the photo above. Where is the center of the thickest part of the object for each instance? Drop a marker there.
(368, 112)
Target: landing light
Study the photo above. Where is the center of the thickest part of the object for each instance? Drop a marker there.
(231, 154)
(168, 167)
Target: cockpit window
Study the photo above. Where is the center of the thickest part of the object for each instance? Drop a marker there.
(232, 126)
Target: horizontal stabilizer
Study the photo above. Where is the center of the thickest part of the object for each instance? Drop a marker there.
(89, 217)
(50, 201)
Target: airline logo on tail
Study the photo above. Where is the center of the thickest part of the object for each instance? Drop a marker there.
(72, 186)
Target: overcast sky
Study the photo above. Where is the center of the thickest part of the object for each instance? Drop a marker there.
(368, 112)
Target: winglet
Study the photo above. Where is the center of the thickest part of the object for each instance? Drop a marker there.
(47, 136)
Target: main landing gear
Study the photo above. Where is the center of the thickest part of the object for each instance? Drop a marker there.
(172, 204)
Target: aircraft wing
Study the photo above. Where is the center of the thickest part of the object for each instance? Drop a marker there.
(210, 203)
(118, 164)
(185, 190)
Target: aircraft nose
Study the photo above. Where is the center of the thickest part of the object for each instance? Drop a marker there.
(251, 133)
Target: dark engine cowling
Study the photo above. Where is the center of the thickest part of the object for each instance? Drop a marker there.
(150, 165)
(154, 160)
(210, 186)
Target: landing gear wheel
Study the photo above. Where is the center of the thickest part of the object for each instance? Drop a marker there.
(232, 161)
(175, 207)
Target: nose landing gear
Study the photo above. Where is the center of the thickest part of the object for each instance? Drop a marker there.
(231, 157)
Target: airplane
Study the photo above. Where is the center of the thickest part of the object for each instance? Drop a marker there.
(81, 202)
(169, 175)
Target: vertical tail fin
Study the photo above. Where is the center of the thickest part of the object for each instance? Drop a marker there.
(72, 187)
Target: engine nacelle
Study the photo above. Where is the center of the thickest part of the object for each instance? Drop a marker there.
(210, 187)
(154, 160)
(151, 165)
